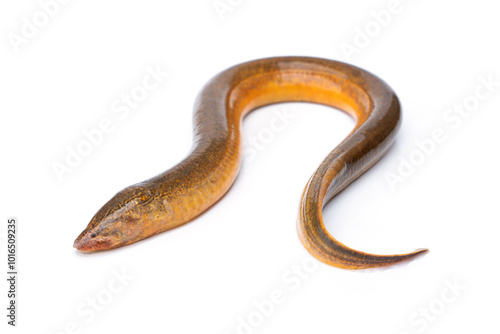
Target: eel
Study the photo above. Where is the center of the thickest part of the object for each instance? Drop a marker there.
(183, 192)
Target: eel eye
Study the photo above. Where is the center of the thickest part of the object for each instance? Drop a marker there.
(93, 235)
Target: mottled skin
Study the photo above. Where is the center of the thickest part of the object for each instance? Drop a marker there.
(204, 176)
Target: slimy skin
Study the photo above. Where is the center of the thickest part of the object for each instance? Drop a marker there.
(185, 191)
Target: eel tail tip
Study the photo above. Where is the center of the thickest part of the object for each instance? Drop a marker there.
(378, 261)
(420, 251)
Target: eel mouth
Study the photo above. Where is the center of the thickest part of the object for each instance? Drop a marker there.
(89, 242)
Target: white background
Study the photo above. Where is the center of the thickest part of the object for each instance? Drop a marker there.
(207, 275)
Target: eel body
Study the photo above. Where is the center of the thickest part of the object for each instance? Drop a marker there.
(183, 192)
